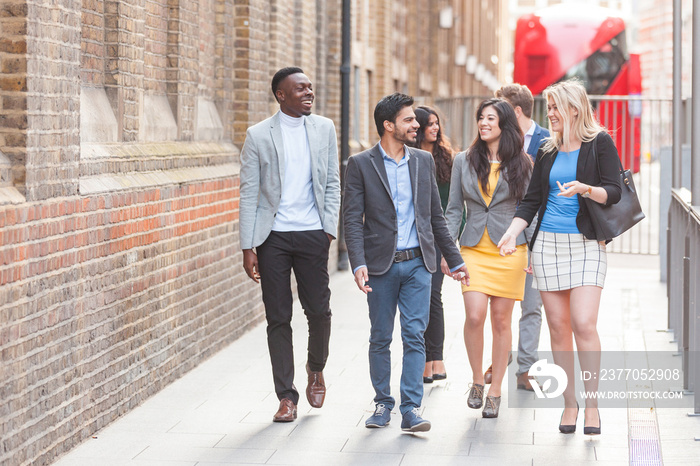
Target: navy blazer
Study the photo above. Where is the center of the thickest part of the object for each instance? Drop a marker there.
(536, 141)
(369, 215)
(535, 201)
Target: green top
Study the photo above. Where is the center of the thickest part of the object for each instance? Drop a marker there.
(444, 189)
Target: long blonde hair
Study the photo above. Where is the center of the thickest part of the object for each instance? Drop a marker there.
(569, 96)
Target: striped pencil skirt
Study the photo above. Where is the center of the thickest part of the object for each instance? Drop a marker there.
(562, 261)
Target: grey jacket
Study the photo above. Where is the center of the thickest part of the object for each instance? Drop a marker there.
(369, 215)
(465, 194)
(262, 172)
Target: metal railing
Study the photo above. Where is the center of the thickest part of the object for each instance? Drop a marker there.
(683, 290)
(641, 128)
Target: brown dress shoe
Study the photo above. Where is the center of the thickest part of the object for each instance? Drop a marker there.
(523, 382)
(488, 375)
(287, 411)
(316, 389)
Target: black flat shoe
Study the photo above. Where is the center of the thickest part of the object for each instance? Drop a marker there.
(589, 430)
(569, 428)
(439, 376)
(427, 379)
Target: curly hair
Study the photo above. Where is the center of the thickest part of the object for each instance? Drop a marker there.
(443, 153)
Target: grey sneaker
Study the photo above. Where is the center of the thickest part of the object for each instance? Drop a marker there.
(380, 418)
(412, 422)
(476, 396)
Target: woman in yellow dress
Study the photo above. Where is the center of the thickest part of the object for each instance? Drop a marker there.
(488, 181)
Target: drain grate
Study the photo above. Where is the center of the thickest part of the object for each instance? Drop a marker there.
(645, 445)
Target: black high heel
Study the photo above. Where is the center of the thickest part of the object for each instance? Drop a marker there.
(589, 430)
(569, 428)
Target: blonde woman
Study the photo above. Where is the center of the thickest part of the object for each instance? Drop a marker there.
(568, 262)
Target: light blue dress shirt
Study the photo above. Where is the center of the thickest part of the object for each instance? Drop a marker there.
(400, 186)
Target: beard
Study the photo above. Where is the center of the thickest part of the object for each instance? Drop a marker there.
(406, 137)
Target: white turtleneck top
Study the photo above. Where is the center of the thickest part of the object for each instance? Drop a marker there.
(297, 210)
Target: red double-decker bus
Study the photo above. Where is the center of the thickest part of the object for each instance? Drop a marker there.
(586, 42)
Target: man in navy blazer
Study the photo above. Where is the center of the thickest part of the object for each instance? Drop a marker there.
(521, 99)
(393, 218)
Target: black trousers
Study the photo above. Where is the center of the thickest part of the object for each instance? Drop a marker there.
(305, 252)
(435, 333)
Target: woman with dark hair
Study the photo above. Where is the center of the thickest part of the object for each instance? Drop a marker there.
(488, 181)
(431, 139)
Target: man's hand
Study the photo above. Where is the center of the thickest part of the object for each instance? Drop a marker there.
(250, 264)
(330, 238)
(361, 278)
(461, 274)
(444, 268)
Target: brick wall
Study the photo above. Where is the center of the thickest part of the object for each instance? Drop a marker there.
(119, 261)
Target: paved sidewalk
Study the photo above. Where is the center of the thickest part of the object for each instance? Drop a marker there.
(221, 412)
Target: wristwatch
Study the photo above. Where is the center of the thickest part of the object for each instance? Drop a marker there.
(588, 192)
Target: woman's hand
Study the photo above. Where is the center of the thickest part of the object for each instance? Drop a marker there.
(461, 274)
(572, 188)
(506, 245)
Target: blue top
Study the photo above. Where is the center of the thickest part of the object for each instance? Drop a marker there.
(561, 212)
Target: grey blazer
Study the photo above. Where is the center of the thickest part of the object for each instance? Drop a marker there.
(262, 172)
(465, 194)
(369, 215)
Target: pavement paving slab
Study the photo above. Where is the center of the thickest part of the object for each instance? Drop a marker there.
(220, 413)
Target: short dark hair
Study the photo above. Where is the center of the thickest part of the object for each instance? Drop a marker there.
(517, 95)
(388, 108)
(281, 75)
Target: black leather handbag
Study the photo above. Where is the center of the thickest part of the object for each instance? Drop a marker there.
(610, 221)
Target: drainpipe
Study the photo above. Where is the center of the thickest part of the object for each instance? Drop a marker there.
(345, 69)
(695, 142)
(677, 179)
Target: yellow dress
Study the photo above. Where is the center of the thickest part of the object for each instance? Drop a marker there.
(489, 272)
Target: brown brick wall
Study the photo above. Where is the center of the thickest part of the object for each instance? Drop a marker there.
(52, 87)
(407, 42)
(120, 269)
(106, 299)
(156, 46)
(125, 39)
(13, 96)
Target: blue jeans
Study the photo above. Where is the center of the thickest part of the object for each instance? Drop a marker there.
(406, 284)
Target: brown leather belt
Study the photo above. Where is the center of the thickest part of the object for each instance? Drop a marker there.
(407, 254)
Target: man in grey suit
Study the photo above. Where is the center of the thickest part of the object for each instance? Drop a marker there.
(393, 218)
(520, 97)
(290, 198)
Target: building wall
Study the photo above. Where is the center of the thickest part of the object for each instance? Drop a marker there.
(120, 128)
(656, 47)
(400, 46)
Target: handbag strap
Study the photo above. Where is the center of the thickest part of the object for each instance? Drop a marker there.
(595, 156)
